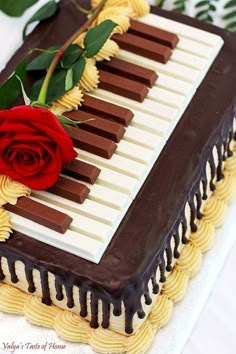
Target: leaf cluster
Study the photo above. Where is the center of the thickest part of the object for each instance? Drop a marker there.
(206, 9)
(230, 17)
(70, 69)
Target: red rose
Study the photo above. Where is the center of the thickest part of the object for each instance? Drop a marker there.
(33, 146)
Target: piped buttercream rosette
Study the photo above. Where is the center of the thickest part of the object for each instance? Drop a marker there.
(10, 191)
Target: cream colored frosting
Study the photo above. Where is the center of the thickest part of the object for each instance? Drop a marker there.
(139, 7)
(190, 260)
(108, 51)
(215, 211)
(119, 15)
(204, 236)
(90, 78)
(10, 190)
(161, 311)
(70, 100)
(230, 165)
(176, 285)
(5, 225)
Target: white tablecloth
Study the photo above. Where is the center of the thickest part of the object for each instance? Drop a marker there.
(206, 329)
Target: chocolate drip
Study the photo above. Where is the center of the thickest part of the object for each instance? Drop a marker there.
(155, 286)
(213, 172)
(220, 174)
(162, 269)
(199, 204)
(117, 309)
(12, 270)
(193, 215)
(2, 276)
(46, 298)
(177, 241)
(83, 302)
(229, 151)
(148, 299)
(94, 311)
(184, 230)
(204, 186)
(69, 295)
(59, 292)
(30, 280)
(169, 258)
(129, 321)
(106, 314)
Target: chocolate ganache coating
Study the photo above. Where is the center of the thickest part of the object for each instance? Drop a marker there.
(137, 246)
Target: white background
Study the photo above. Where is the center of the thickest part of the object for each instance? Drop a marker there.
(214, 327)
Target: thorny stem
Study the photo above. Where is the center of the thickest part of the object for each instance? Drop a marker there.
(44, 89)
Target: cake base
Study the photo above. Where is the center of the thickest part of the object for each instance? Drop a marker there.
(71, 327)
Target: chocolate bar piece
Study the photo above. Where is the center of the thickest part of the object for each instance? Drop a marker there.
(153, 33)
(81, 170)
(41, 214)
(122, 86)
(96, 124)
(107, 110)
(129, 70)
(144, 47)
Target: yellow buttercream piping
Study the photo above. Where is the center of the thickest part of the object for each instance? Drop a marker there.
(190, 260)
(215, 211)
(119, 15)
(204, 236)
(5, 225)
(70, 100)
(37, 313)
(12, 300)
(161, 311)
(11, 190)
(108, 51)
(90, 78)
(71, 327)
(140, 7)
(225, 187)
(176, 285)
(230, 165)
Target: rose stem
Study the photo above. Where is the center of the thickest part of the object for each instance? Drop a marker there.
(43, 91)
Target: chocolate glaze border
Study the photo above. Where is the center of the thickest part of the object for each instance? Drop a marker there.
(143, 233)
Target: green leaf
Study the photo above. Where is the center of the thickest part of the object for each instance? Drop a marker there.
(24, 94)
(202, 3)
(212, 7)
(15, 7)
(46, 11)
(65, 121)
(231, 26)
(43, 61)
(56, 87)
(11, 89)
(202, 13)
(69, 79)
(180, 9)
(71, 55)
(230, 4)
(78, 69)
(97, 36)
(230, 15)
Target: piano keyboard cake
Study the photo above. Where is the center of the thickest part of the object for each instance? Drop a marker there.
(103, 254)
